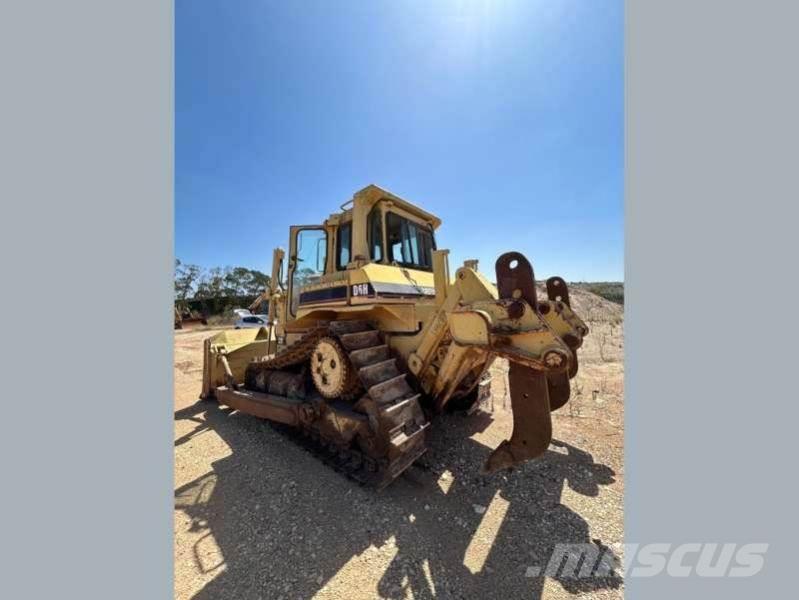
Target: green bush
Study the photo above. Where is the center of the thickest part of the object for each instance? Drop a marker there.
(609, 290)
(220, 305)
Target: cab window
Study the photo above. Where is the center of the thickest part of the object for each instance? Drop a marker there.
(376, 235)
(409, 244)
(343, 246)
(311, 257)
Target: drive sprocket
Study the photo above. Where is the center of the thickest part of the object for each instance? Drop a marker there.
(331, 370)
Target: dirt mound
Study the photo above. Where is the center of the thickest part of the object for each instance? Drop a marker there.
(598, 389)
(605, 319)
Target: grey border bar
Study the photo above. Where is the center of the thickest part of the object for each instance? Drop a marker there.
(711, 187)
(87, 121)
(87, 185)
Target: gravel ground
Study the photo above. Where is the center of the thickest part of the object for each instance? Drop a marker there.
(257, 517)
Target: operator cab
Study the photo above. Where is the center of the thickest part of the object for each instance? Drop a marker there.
(376, 227)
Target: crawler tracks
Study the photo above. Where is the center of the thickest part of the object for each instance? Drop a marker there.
(397, 423)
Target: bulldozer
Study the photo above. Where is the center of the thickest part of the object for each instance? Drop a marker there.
(369, 337)
(185, 316)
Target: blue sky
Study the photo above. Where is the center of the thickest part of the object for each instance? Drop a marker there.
(503, 118)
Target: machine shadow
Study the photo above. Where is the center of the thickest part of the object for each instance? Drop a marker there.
(285, 525)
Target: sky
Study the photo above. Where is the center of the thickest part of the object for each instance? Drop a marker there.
(503, 118)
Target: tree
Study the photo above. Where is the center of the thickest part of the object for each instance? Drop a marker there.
(210, 284)
(258, 282)
(186, 278)
(223, 282)
(241, 281)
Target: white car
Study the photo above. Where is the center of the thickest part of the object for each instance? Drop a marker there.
(248, 320)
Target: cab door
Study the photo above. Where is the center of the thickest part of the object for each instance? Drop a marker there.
(307, 260)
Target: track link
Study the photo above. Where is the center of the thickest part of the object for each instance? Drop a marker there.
(351, 463)
(393, 408)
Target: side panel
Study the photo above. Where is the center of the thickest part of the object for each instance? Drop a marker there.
(392, 318)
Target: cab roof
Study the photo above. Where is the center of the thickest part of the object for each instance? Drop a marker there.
(372, 194)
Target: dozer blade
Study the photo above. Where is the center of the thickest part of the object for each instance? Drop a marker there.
(532, 420)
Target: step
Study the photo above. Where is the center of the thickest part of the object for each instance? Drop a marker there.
(342, 327)
(369, 356)
(402, 462)
(402, 441)
(390, 390)
(402, 412)
(361, 339)
(378, 372)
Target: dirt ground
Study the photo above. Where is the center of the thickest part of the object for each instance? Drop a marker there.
(257, 517)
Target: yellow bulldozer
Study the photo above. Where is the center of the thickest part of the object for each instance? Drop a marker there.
(185, 316)
(370, 337)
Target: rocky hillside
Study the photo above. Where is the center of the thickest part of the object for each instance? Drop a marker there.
(601, 375)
